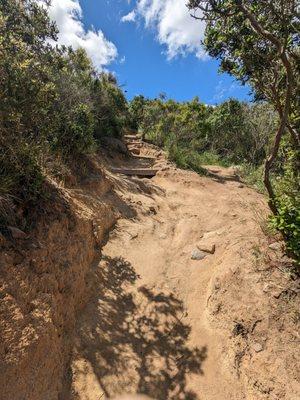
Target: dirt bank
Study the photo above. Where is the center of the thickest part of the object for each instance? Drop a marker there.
(44, 282)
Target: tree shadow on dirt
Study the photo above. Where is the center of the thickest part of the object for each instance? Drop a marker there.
(215, 176)
(136, 340)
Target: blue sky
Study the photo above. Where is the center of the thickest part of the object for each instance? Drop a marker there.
(152, 46)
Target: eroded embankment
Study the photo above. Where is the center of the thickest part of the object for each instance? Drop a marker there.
(44, 282)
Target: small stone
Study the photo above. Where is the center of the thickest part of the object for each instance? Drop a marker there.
(266, 288)
(163, 236)
(273, 290)
(16, 233)
(152, 210)
(207, 248)
(277, 293)
(257, 347)
(240, 186)
(217, 284)
(275, 246)
(197, 255)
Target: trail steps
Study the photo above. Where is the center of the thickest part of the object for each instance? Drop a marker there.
(134, 144)
(142, 157)
(142, 172)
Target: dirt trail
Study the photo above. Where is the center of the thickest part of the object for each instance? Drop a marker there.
(154, 323)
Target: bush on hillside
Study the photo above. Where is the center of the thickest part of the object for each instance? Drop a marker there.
(287, 186)
(233, 132)
(54, 104)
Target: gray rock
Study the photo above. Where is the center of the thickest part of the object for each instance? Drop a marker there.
(257, 347)
(207, 248)
(275, 246)
(197, 255)
(266, 288)
(163, 236)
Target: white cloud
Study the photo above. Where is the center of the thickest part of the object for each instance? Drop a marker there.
(129, 17)
(68, 16)
(175, 27)
(220, 91)
(225, 89)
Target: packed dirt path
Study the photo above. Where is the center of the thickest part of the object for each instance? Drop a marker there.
(154, 323)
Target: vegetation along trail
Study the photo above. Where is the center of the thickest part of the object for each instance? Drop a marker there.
(150, 326)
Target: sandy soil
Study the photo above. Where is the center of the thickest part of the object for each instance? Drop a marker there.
(165, 325)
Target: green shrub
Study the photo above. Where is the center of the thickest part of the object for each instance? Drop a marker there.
(287, 186)
(110, 108)
(21, 177)
(231, 133)
(288, 223)
(252, 175)
(75, 136)
(186, 159)
(54, 105)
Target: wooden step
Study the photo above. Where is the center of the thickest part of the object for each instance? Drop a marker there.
(149, 172)
(134, 146)
(132, 137)
(142, 157)
(129, 131)
(133, 142)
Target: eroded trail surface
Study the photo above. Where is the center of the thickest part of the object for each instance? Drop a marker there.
(154, 324)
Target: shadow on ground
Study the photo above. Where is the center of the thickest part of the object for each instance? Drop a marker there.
(221, 178)
(136, 340)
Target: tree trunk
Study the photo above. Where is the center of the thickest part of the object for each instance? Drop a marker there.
(283, 116)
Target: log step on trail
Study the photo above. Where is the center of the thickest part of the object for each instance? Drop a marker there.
(142, 157)
(133, 142)
(143, 172)
(134, 146)
(129, 137)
